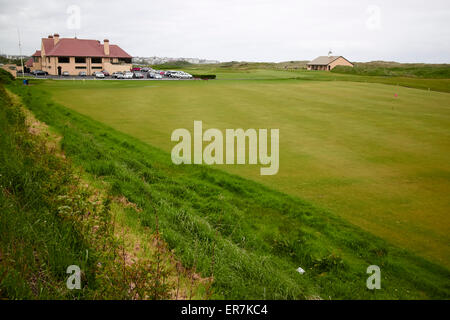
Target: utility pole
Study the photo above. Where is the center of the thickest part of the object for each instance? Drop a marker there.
(20, 52)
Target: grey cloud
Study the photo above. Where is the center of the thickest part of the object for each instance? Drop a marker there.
(253, 30)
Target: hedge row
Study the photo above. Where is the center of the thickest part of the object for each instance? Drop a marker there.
(204, 76)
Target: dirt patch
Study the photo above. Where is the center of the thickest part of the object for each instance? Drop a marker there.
(122, 200)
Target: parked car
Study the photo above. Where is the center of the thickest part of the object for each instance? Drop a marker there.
(65, 74)
(39, 73)
(117, 75)
(138, 75)
(170, 73)
(181, 75)
(99, 75)
(106, 73)
(82, 74)
(145, 69)
(135, 69)
(184, 75)
(176, 74)
(128, 75)
(153, 75)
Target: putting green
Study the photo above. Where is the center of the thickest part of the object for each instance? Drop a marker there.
(380, 161)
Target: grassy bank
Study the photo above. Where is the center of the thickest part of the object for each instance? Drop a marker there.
(35, 245)
(248, 238)
(51, 218)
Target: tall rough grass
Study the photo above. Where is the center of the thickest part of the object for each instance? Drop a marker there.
(49, 221)
(397, 70)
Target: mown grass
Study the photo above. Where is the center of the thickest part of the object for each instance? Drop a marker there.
(374, 68)
(418, 76)
(256, 236)
(378, 160)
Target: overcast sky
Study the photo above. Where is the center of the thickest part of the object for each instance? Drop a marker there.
(243, 30)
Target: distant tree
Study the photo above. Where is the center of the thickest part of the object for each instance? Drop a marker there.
(17, 62)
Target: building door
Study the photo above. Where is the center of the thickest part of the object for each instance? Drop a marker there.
(59, 71)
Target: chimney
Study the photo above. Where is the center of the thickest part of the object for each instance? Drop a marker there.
(55, 38)
(106, 47)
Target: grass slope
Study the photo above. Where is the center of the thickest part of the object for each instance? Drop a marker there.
(50, 218)
(379, 161)
(36, 246)
(248, 237)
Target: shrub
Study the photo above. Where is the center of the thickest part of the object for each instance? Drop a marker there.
(204, 76)
(6, 77)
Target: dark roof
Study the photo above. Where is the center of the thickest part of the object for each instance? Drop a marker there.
(72, 47)
(325, 60)
(37, 53)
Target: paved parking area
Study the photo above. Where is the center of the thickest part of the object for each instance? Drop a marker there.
(29, 75)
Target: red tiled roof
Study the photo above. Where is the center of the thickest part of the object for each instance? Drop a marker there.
(71, 47)
(117, 52)
(37, 53)
(48, 45)
(29, 63)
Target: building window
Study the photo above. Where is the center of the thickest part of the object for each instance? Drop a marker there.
(125, 60)
(97, 68)
(63, 59)
(80, 60)
(96, 60)
(80, 67)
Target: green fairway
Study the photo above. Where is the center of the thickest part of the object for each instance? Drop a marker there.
(431, 78)
(379, 161)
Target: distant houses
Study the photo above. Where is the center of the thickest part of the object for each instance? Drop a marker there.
(328, 63)
(162, 60)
